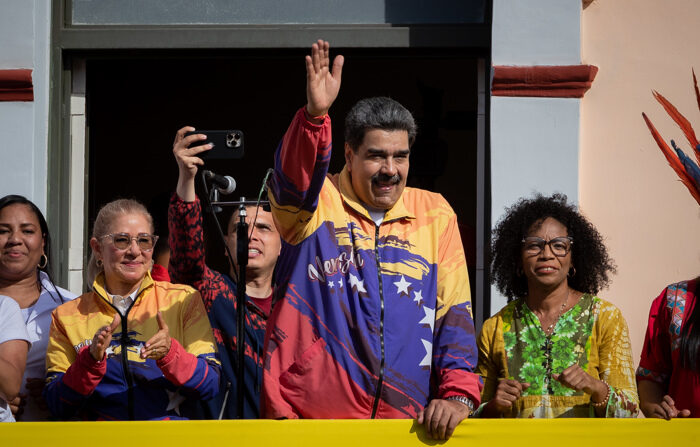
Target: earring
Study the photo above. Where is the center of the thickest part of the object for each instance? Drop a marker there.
(571, 275)
(43, 261)
(99, 263)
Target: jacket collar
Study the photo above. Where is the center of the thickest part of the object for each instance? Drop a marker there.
(398, 211)
(99, 286)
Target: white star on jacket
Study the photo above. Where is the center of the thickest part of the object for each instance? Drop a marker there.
(418, 297)
(174, 401)
(402, 285)
(428, 359)
(358, 283)
(429, 317)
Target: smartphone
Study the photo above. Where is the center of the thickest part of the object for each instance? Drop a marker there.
(228, 144)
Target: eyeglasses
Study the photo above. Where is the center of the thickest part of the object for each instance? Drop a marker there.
(122, 241)
(560, 246)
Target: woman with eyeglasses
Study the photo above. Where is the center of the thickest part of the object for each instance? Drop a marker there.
(132, 348)
(556, 349)
(25, 276)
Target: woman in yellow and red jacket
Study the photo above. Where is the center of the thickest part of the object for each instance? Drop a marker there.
(132, 348)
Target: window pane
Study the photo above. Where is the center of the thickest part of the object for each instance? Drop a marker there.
(238, 12)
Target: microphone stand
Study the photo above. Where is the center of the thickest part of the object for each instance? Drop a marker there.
(242, 258)
(242, 244)
(214, 198)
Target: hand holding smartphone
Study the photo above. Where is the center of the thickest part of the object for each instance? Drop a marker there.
(228, 144)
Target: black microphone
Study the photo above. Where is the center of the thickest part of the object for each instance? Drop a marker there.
(224, 183)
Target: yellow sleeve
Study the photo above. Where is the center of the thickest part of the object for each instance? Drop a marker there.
(453, 277)
(491, 354)
(616, 366)
(296, 224)
(60, 353)
(197, 337)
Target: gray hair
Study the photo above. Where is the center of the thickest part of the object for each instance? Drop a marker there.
(108, 214)
(377, 113)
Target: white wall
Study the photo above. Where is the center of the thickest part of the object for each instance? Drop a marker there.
(24, 33)
(649, 220)
(534, 141)
(537, 152)
(536, 32)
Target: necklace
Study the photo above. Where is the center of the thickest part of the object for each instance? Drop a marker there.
(550, 328)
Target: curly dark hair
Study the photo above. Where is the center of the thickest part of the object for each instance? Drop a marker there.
(589, 256)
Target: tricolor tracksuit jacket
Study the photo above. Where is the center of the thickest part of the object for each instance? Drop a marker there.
(373, 321)
(123, 387)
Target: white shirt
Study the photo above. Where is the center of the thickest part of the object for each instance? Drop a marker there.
(122, 303)
(11, 328)
(37, 319)
(377, 215)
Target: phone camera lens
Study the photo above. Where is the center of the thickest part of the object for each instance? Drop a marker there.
(233, 139)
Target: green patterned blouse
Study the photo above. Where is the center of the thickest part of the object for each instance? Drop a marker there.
(592, 334)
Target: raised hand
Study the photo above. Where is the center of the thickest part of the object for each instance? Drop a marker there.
(507, 392)
(103, 338)
(187, 161)
(157, 346)
(322, 82)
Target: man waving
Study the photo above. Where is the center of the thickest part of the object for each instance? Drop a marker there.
(373, 318)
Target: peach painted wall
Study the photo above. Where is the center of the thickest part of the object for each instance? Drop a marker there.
(650, 221)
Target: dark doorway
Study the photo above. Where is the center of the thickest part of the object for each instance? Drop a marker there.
(136, 103)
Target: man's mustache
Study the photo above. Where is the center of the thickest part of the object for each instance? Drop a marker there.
(384, 179)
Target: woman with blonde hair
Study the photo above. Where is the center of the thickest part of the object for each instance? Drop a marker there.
(132, 348)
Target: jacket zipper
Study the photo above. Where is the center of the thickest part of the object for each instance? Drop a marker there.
(380, 382)
(124, 341)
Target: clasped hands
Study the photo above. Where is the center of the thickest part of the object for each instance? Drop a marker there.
(666, 409)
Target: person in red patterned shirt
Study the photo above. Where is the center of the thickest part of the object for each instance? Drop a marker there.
(219, 290)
